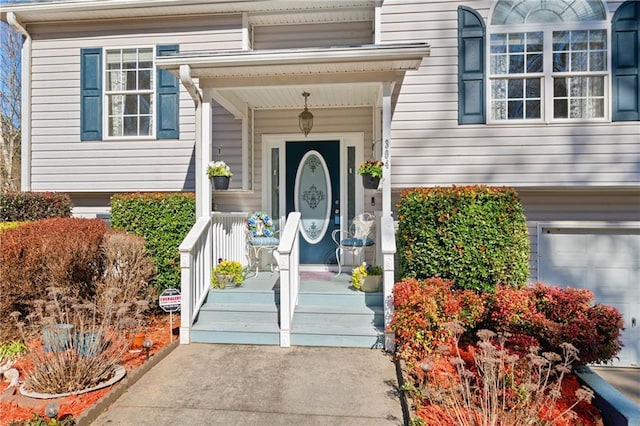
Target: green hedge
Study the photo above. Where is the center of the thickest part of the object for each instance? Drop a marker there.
(31, 206)
(475, 236)
(163, 220)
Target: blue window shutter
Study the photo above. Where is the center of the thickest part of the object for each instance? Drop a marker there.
(471, 67)
(168, 98)
(626, 62)
(91, 94)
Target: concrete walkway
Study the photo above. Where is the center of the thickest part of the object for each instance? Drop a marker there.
(203, 384)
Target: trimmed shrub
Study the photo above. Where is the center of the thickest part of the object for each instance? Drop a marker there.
(30, 206)
(555, 315)
(60, 252)
(542, 316)
(163, 220)
(475, 236)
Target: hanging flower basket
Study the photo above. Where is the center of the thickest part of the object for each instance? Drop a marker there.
(220, 182)
(370, 182)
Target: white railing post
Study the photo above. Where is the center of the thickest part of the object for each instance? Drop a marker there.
(195, 264)
(288, 261)
(388, 243)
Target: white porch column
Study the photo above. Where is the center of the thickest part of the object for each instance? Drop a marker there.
(203, 136)
(386, 148)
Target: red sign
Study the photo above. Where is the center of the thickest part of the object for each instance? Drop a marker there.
(170, 300)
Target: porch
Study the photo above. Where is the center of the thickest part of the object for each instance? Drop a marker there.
(286, 307)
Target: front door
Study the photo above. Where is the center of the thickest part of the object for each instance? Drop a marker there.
(313, 189)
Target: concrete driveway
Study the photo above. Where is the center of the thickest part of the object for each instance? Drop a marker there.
(204, 384)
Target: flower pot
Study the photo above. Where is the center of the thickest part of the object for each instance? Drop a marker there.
(371, 283)
(57, 337)
(220, 182)
(89, 343)
(136, 341)
(370, 182)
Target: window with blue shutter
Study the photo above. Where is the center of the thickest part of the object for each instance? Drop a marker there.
(471, 67)
(91, 94)
(168, 98)
(626, 62)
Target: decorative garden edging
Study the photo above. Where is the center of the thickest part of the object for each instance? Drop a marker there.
(616, 409)
(99, 407)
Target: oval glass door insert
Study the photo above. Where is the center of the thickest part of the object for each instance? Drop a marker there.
(312, 195)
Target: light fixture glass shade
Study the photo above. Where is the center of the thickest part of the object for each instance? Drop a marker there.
(305, 119)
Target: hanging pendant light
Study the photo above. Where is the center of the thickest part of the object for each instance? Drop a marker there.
(305, 119)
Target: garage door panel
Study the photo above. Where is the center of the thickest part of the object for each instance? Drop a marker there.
(605, 261)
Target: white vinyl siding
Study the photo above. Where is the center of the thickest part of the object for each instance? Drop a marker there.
(429, 148)
(60, 161)
(312, 35)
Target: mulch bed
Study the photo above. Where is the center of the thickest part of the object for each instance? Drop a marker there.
(16, 407)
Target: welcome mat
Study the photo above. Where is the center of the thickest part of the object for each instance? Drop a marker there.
(317, 275)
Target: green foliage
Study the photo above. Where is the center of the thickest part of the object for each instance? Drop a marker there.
(361, 272)
(38, 420)
(227, 271)
(371, 167)
(163, 220)
(12, 350)
(475, 236)
(30, 206)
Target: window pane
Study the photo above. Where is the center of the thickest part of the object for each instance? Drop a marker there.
(516, 88)
(130, 126)
(499, 64)
(131, 105)
(579, 61)
(131, 80)
(534, 63)
(499, 89)
(533, 109)
(499, 110)
(129, 58)
(597, 61)
(115, 80)
(560, 108)
(534, 42)
(144, 80)
(498, 43)
(560, 40)
(597, 39)
(145, 125)
(515, 110)
(578, 86)
(145, 58)
(533, 87)
(596, 86)
(115, 126)
(516, 42)
(577, 108)
(145, 104)
(560, 62)
(115, 104)
(596, 108)
(516, 64)
(560, 87)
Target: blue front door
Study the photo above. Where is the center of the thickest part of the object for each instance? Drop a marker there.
(313, 189)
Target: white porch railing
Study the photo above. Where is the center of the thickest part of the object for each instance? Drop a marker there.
(224, 236)
(195, 274)
(229, 237)
(289, 262)
(387, 232)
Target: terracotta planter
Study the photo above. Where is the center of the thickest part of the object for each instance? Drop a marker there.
(370, 182)
(136, 341)
(371, 284)
(220, 182)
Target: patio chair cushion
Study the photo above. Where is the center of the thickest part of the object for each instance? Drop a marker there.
(357, 242)
(264, 241)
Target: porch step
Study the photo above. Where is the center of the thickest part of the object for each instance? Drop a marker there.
(238, 316)
(328, 314)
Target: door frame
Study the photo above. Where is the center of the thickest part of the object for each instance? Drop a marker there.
(346, 139)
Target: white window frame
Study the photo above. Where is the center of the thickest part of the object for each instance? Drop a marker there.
(546, 91)
(106, 93)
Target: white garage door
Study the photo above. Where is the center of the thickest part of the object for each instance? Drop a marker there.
(605, 261)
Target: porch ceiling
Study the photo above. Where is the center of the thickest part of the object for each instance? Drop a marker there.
(335, 77)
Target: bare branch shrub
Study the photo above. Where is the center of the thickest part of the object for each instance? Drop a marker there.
(502, 387)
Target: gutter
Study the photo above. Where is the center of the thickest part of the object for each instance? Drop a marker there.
(189, 84)
(25, 120)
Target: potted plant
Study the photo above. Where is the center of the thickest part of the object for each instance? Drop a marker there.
(220, 174)
(227, 272)
(367, 278)
(371, 171)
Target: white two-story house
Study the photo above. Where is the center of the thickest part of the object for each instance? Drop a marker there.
(544, 96)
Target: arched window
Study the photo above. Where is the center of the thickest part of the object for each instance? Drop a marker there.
(548, 61)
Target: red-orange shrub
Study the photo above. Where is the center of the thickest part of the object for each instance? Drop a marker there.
(61, 252)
